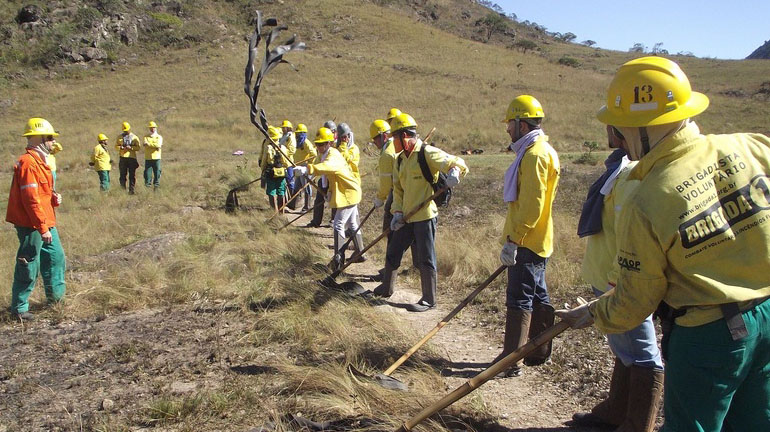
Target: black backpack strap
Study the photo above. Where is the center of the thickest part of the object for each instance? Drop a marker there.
(424, 165)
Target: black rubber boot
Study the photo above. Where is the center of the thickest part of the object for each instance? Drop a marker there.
(516, 331)
(542, 318)
(388, 285)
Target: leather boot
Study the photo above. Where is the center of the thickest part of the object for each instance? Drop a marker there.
(612, 411)
(388, 285)
(358, 245)
(339, 254)
(645, 392)
(516, 331)
(542, 318)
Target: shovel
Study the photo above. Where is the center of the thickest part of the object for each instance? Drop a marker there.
(475, 382)
(347, 242)
(329, 280)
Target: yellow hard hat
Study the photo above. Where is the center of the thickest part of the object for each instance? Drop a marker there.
(378, 127)
(39, 126)
(324, 135)
(102, 137)
(393, 113)
(126, 127)
(522, 107)
(287, 124)
(402, 121)
(152, 124)
(650, 91)
(274, 133)
(301, 128)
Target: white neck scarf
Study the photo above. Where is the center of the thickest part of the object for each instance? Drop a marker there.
(510, 182)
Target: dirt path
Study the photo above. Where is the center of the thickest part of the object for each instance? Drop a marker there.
(526, 403)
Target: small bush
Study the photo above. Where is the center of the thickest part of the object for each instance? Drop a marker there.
(587, 157)
(167, 19)
(569, 61)
(86, 18)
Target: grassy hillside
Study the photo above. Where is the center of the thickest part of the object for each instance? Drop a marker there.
(363, 58)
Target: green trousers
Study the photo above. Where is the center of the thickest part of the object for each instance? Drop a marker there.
(37, 258)
(104, 180)
(152, 169)
(715, 384)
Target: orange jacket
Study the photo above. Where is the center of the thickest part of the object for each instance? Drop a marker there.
(30, 203)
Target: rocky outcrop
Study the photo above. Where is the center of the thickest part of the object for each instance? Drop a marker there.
(762, 52)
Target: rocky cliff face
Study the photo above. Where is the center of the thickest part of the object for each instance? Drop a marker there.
(762, 52)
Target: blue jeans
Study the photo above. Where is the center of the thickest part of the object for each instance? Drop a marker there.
(638, 346)
(526, 281)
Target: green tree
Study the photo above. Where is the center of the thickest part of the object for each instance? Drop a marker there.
(494, 23)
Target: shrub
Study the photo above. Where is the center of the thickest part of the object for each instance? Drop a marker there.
(569, 61)
(526, 45)
(167, 19)
(86, 18)
(587, 157)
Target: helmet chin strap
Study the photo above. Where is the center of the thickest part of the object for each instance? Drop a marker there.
(645, 140)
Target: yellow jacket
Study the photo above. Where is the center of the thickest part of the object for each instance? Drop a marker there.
(529, 222)
(308, 150)
(50, 159)
(385, 169)
(409, 186)
(600, 265)
(152, 146)
(352, 156)
(344, 189)
(695, 232)
(133, 145)
(289, 141)
(101, 158)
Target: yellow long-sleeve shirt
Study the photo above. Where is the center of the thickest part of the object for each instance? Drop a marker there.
(344, 188)
(127, 145)
(385, 170)
(695, 232)
(352, 155)
(289, 141)
(306, 151)
(152, 146)
(600, 264)
(409, 186)
(529, 222)
(101, 158)
(50, 159)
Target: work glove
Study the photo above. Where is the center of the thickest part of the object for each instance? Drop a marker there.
(453, 177)
(508, 254)
(378, 202)
(56, 199)
(299, 170)
(397, 222)
(577, 318)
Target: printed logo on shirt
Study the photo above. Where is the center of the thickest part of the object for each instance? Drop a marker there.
(739, 205)
(629, 264)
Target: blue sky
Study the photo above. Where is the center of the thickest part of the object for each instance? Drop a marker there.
(707, 28)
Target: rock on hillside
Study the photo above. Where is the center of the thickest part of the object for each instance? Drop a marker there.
(762, 52)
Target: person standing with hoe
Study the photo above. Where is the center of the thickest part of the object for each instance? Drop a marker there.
(410, 189)
(344, 190)
(305, 150)
(31, 204)
(127, 145)
(153, 144)
(528, 190)
(700, 264)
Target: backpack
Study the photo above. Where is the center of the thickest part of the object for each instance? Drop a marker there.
(443, 199)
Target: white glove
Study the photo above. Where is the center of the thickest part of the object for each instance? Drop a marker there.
(508, 254)
(378, 202)
(56, 197)
(397, 222)
(453, 177)
(577, 318)
(299, 170)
